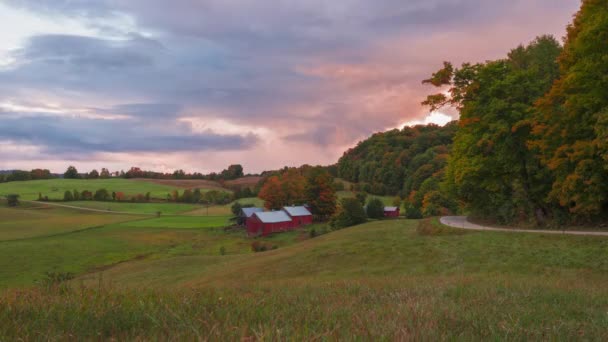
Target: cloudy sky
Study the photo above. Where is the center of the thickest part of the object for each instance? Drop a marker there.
(200, 84)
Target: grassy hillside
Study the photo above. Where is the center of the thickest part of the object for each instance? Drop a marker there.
(55, 188)
(381, 280)
(141, 208)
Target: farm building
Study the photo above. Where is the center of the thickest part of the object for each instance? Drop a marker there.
(391, 211)
(246, 214)
(300, 215)
(264, 223)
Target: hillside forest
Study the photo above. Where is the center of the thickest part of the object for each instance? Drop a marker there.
(531, 145)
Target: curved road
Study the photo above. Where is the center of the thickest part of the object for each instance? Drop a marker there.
(463, 223)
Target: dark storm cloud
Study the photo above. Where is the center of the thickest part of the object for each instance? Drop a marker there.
(68, 136)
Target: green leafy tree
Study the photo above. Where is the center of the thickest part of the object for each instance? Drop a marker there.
(349, 214)
(572, 128)
(491, 168)
(104, 173)
(375, 208)
(76, 195)
(93, 174)
(71, 173)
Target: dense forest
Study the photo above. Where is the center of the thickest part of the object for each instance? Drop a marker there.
(409, 163)
(532, 143)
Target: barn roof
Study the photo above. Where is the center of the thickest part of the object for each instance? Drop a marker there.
(273, 216)
(295, 211)
(250, 211)
(391, 208)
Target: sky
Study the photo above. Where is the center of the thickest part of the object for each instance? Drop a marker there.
(201, 84)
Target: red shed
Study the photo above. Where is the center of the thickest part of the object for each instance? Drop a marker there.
(300, 215)
(391, 211)
(265, 223)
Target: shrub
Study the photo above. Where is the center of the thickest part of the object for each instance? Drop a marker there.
(12, 200)
(259, 246)
(86, 195)
(412, 212)
(222, 250)
(67, 196)
(101, 195)
(375, 209)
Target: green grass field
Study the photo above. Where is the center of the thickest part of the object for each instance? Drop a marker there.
(182, 222)
(55, 188)
(29, 223)
(140, 208)
(383, 280)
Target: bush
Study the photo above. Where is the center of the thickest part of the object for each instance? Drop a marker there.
(67, 196)
(12, 200)
(375, 209)
(101, 195)
(86, 195)
(350, 213)
(259, 246)
(412, 212)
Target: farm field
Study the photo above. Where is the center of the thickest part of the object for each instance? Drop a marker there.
(222, 210)
(55, 188)
(35, 241)
(140, 208)
(182, 222)
(29, 223)
(398, 279)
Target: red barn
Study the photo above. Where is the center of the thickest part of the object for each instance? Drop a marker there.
(300, 215)
(391, 211)
(247, 213)
(265, 223)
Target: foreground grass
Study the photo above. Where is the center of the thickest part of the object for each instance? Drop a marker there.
(442, 308)
(384, 280)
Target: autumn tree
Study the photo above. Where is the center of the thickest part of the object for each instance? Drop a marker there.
(491, 167)
(284, 189)
(572, 128)
(320, 193)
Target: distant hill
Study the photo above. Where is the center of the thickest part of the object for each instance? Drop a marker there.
(398, 161)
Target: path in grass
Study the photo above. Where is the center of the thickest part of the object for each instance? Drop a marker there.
(463, 223)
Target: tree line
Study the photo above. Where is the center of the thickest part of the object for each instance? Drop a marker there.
(532, 141)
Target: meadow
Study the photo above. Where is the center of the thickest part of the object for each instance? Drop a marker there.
(55, 188)
(180, 277)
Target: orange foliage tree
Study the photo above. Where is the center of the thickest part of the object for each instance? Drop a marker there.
(284, 189)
